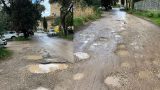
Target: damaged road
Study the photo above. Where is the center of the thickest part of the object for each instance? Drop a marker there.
(35, 62)
(116, 52)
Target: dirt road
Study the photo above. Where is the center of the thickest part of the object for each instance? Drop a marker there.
(117, 52)
(121, 52)
(29, 67)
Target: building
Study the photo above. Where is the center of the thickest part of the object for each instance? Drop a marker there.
(54, 12)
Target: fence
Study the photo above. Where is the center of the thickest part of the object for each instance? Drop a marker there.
(152, 5)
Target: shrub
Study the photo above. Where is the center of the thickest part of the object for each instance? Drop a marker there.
(158, 14)
(78, 21)
(150, 14)
(4, 53)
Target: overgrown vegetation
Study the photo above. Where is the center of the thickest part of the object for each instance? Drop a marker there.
(83, 15)
(153, 16)
(4, 53)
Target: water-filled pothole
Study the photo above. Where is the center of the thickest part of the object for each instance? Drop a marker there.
(145, 74)
(78, 76)
(113, 81)
(125, 65)
(123, 33)
(121, 46)
(46, 68)
(122, 52)
(34, 57)
(81, 55)
(41, 88)
(116, 80)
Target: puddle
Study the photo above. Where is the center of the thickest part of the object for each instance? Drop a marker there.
(103, 39)
(158, 75)
(34, 57)
(144, 74)
(125, 65)
(113, 31)
(100, 41)
(113, 81)
(122, 29)
(81, 55)
(122, 53)
(41, 88)
(85, 41)
(46, 68)
(124, 33)
(78, 76)
(117, 36)
(121, 46)
(155, 62)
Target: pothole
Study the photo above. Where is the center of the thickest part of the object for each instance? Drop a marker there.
(158, 75)
(144, 74)
(81, 55)
(156, 62)
(78, 76)
(46, 68)
(103, 39)
(123, 33)
(122, 29)
(34, 57)
(113, 81)
(125, 65)
(122, 52)
(121, 46)
(117, 80)
(41, 88)
(117, 36)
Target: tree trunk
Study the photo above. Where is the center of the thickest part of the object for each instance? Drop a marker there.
(132, 7)
(26, 34)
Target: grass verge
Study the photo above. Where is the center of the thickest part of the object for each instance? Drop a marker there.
(21, 38)
(152, 16)
(4, 53)
(68, 37)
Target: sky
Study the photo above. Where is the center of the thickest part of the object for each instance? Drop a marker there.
(47, 6)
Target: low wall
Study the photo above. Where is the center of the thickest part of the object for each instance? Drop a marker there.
(153, 5)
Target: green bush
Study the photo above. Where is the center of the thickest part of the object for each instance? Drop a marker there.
(4, 53)
(150, 14)
(158, 14)
(78, 21)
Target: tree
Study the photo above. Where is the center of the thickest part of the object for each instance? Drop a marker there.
(45, 24)
(3, 22)
(24, 14)
(66, 14)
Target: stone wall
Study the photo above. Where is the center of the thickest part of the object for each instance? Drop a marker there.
(148, 5)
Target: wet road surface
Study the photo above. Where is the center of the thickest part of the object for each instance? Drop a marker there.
(34, 63)
(116, 52)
